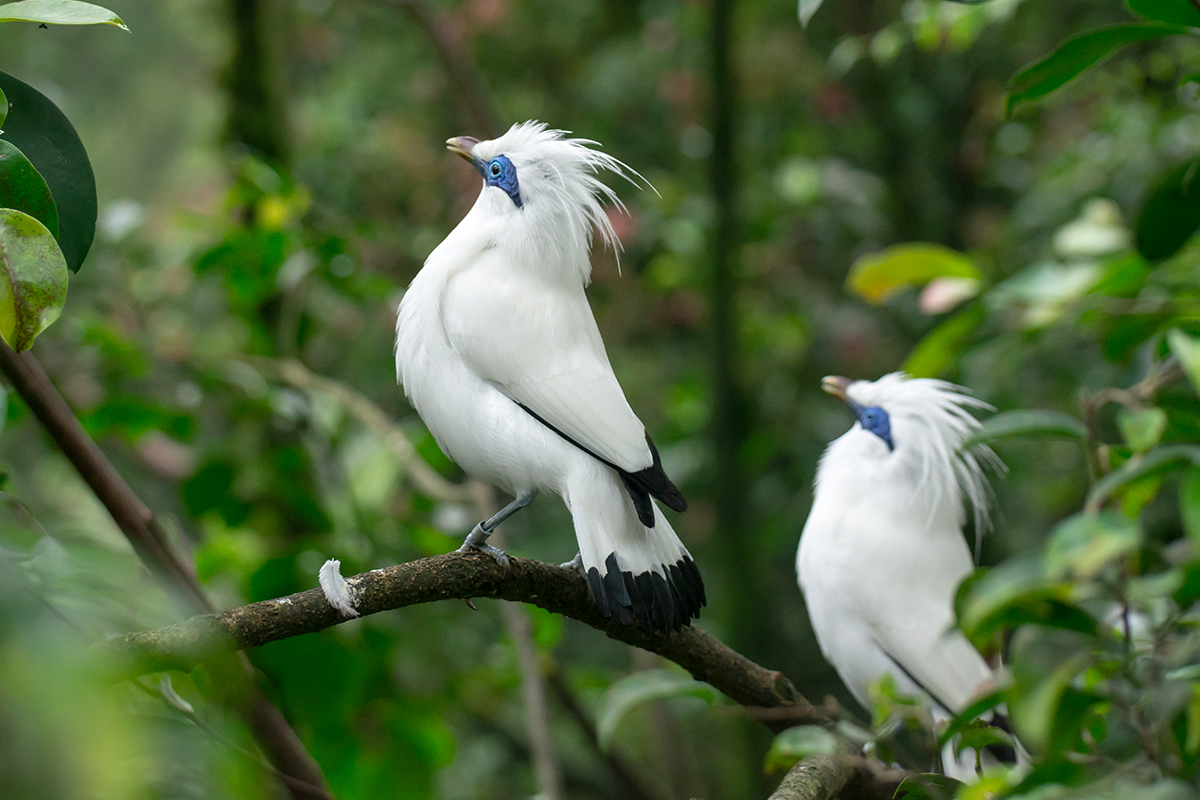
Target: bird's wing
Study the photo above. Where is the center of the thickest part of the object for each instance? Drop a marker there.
(537, 341)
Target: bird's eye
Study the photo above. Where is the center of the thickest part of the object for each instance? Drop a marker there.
(495, 169)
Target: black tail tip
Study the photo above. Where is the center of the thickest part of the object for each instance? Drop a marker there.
(653, 601)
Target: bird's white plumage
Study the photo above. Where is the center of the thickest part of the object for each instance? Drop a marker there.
(883, 552)
(498, 319)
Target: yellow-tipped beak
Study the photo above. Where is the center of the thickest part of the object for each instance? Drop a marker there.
(836, 385)
(462, 145)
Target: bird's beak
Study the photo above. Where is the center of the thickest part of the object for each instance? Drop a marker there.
(836, 385)
(463, 146)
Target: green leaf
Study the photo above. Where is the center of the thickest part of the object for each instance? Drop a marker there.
(3, 110)
(1036, 423)
(970, 714)
(1077, 54)
(806, 9)
(795, 744)
(1141, 428)
(929, 786)
(1157, 460)
(878, 276)
(1172, 12)
(1045, 706)
(1084, 544)
(1189, 506)
(1016, 593)
(1170, 212)
(644, 687)
(59, 12)
(33, 279)
(1187, 350)
(23, 188)
(46, 137)
(942, 345)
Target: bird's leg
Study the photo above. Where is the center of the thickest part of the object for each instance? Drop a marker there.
(477, 538)
(575, 563)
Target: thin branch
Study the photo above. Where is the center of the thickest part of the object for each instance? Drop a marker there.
(816, 778)
(280, 743)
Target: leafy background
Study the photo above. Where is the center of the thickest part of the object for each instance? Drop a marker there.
(247, 222)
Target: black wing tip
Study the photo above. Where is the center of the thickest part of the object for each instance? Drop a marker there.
(656, 602)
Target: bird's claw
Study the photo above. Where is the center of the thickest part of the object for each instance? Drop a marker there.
(477, 540)
(575, 563)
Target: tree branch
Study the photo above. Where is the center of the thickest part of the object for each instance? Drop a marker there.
(815, 778)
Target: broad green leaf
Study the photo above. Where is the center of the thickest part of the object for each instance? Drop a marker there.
(1157, 460)
(33, 279)
(46, 137)
(1017, 592)
(1141, 428)
(3, 110)
(878, 276)
(942, 345)
(59, 12)
(1082, 545)
(1032, 422)
(22, 188)
(1187, 350)
(1045, 706)
(644, 687)
(928, 786)
(1172, 12)
(1189, 506)
(1077, 54)
(806, 9)
(1170, 212)
(796, 744)
(979, 735)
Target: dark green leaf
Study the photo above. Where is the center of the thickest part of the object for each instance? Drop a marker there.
(644, 687)
(1036, 423)
(942, 345)
(1170, 212)
(59, 12)
(928, 786)
(1189, 506)
(1082, 545)
(1077, 54)
(969, 714)
(1172, 12)
(795, 744)
(46, 137)
(1160, 459)
(22, 188)
(3, 110)
(33, 279)
(1016, 593)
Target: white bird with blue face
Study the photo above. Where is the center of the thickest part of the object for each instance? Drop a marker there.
(883, 552)
(500, 354)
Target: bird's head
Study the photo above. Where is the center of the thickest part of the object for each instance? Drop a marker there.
(540, 187)
(914, 429)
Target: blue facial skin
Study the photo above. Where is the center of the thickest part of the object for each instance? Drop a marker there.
(875, 420)
(500, 172)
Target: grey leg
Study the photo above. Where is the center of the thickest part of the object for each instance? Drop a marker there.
(477, 538)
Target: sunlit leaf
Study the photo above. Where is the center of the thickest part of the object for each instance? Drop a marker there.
(33, 279)
(640, 688)
(943, 345)
(1187, 350)
(1172, 12)
(795, 744)
(1034, 423)
(1160, 459)
(48, 140)
(59, 12)
(22, 188)
(878, 276)
(806, 9)
(1082, 545)
(1077, 54)
(1141, 428)
(1170, 212)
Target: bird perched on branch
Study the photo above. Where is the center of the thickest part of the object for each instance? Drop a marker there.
(883, 552)
(499, 353)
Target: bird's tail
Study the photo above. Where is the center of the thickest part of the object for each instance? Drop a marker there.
(637, 574)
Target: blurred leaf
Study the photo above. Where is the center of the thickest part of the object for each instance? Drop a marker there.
(970, 714)
(1173, 12)
(980, 735)
(806, 9)
(1189, 506)
(878, 276)
(1082, 545)
(928, 786)
(33, 279)
(3, 110)
(1077, 54)
(23, 188)
(796, 744)
(1048, 712)
(1170, 212)
(1187, 350)
(1036, 423)
(944, 344)
(1016, 593)
(1166, 457)
(640, 688)
(46, 137)
(1141, 428)
(59, 12)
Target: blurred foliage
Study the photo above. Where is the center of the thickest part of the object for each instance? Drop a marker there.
(881, 124)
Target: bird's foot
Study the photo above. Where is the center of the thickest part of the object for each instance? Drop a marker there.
(477, 540)
(575, 563)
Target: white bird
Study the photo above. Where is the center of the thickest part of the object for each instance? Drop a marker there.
(500, 354)
(883, 552)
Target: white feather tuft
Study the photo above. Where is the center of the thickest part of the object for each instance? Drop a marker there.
(334, 587)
